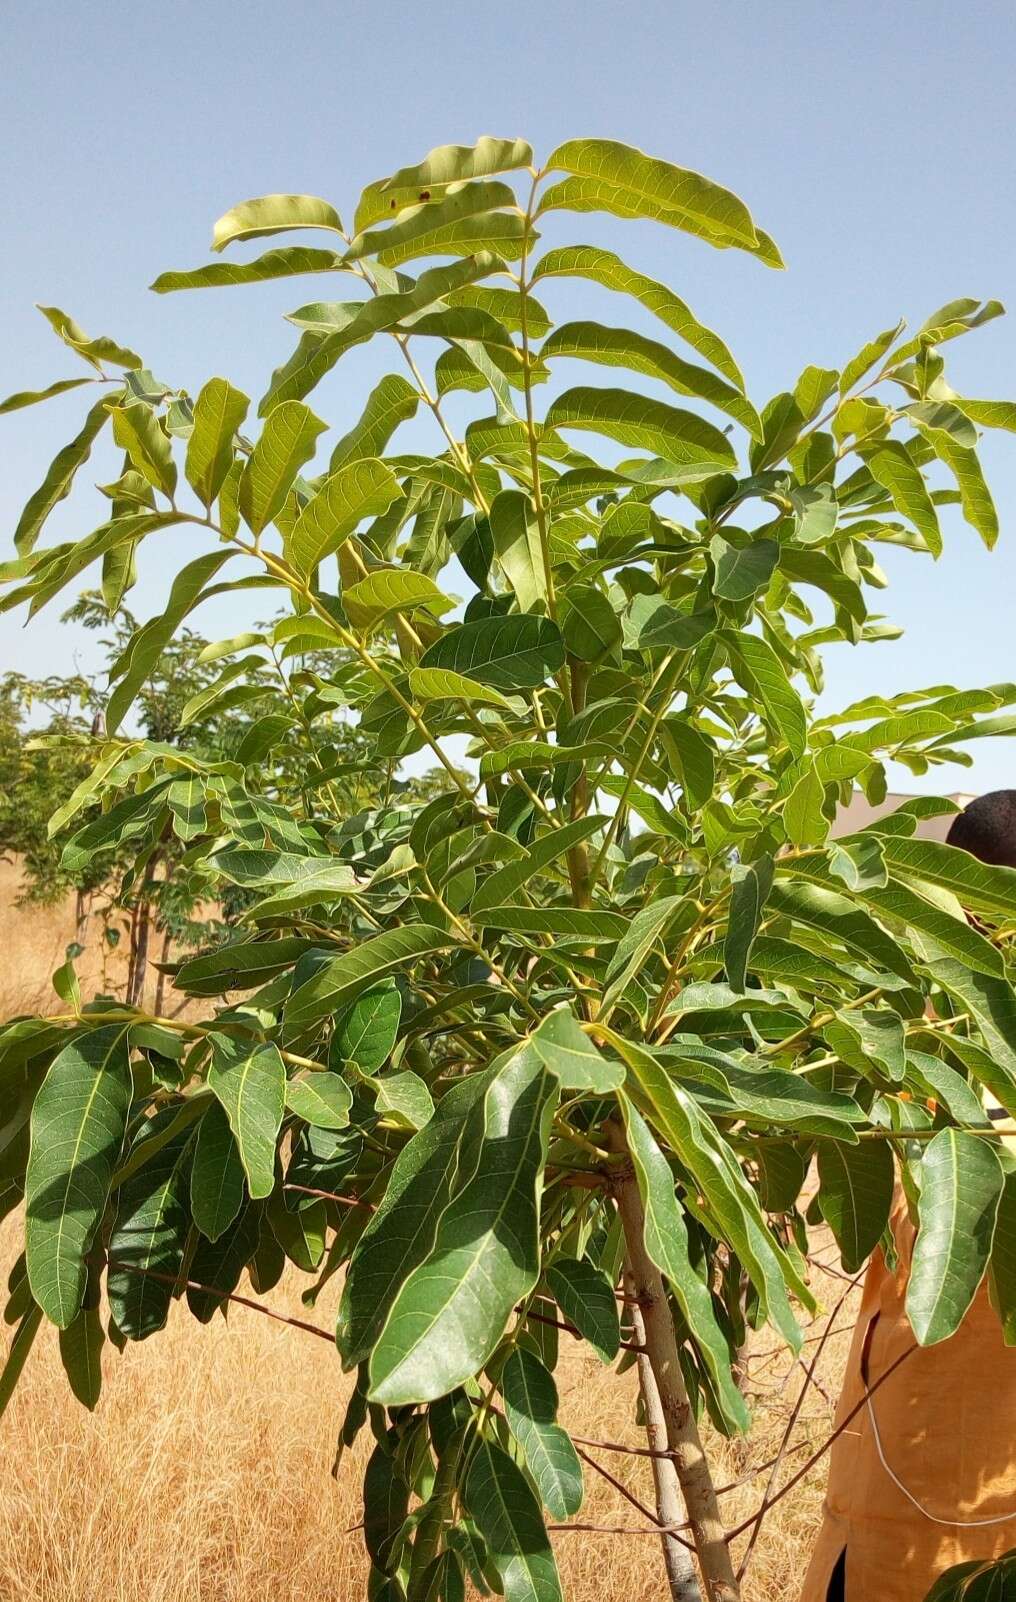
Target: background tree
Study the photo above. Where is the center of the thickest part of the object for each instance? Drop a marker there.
(557, 1046)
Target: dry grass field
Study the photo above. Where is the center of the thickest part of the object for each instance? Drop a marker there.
(203, 1475)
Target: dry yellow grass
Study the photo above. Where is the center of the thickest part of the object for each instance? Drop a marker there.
(203, 1475)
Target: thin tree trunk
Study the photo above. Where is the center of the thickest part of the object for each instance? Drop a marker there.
(132, 956)
(140, 955)
(683, 1439)
(80, 918)
(680, 1565)
(160, 983)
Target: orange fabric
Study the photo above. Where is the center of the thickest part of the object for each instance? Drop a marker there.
(947, 1421)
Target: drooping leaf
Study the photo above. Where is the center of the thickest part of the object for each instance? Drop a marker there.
(508, 1516)
(855, 1195)
(452, 1310)
(59, 479)
(218, 412)
(352, 492)
(365, 1033)
(78, 1123)
(288, 441)
(147, 1243)
(250, 1082)
(586, 1298)
(750, 887)
(666, 1241)
(530, 1400)
(217, 1179)
(961, 1184)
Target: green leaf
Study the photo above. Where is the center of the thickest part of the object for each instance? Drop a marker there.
(750, 887)
(507, 881)
(138, 431)
(517, 548)
(628, 183)
(855, 1195)
(81, 1346)
(321, 1099)
(31, 397)
(400, 1233)
(94, 351)
(217, 1182)
(975, 496)
(352, 492)
(148, 643)
(938, 933)
(961, 1184)
(741, 571)
(273, 214)
(341, 979)
(530, 1402)
(217, 1265)
(1002, 1264)
(447, 164)
(981, 886)
(288, 441)
(392, 590)
(870, 1037)
(318, 351)
(146, 1246)
(592, 629)
(508, 653)
(457, 222)
(666, 1241)
(451, 1312)
(284, 263)
(990, 413)
(761, 674)
(218, 412)
(78, 1123)
(440, 684)
(365, 1033)
(804, 815)
(680, 436)
(866, 358)
(406, 1096)
(250, 1082)
(644, 932)
(392, 401)
(498, 1496)
(621, 347)
(836, 915)
(586, 1298)
(564, 1048)
(733, 1207)
(603, 267)
(892, 466)
(59, 479)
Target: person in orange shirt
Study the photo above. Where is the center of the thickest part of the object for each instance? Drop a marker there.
(924, 1475)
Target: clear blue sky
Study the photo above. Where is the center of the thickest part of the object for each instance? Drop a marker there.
(874, 141)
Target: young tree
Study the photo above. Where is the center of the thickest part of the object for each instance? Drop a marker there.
(555, 1047)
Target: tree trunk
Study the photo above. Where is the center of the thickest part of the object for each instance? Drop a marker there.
(139, 955)
(80, 918)
(693, 1471)
(160, 983)
(679, 1563)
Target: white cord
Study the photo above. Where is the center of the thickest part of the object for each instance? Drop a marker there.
(965, 1524)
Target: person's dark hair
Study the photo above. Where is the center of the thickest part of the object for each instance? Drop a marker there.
(987, 828)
